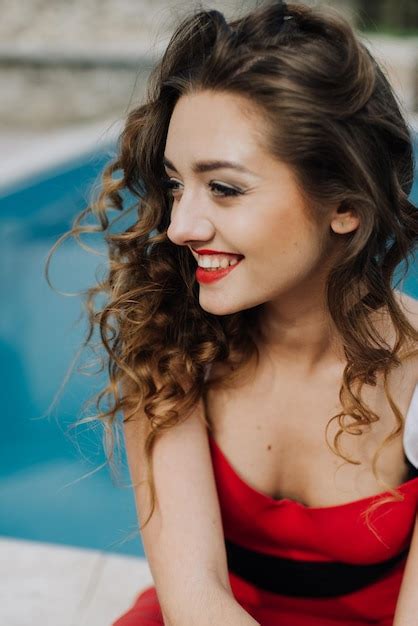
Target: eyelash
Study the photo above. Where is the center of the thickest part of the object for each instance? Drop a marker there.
(226, 192)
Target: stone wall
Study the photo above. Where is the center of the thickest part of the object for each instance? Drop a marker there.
(80, 60)
(64, 61)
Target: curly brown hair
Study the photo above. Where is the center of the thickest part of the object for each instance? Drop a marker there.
(331, 115)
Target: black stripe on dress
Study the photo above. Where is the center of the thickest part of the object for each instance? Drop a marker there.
(309, 579)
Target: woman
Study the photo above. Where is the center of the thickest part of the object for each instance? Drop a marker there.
(258, 351)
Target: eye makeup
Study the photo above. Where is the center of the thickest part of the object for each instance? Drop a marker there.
(171, 185)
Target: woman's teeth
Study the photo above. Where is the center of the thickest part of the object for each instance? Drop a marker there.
(216, 262)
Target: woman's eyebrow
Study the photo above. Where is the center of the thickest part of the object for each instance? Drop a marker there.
(199, 167)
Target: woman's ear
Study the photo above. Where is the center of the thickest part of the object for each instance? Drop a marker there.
(344, 221)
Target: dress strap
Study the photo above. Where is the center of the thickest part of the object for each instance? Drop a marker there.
(410, 435)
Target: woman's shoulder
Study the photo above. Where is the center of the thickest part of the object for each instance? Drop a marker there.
(386, 328)
(409, 305)
(405, 378)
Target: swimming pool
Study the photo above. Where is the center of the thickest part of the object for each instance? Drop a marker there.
(38, 338)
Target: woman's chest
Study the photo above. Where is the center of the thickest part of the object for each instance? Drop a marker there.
(272, 431)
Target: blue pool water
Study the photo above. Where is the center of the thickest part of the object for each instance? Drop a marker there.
(40, 462)
(39, 337)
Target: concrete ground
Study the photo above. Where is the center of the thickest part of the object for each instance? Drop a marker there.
(53, 585)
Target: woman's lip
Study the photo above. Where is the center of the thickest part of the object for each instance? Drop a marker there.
(204, 251)
(204, 276)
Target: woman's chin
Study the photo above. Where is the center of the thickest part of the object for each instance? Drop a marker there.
(218, 307)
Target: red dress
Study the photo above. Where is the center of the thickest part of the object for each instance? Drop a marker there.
(294, 565)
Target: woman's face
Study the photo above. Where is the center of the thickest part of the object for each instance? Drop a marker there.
(266, 222)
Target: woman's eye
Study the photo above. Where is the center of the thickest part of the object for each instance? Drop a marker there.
(172, 185)
(168, 184)
(225, 191)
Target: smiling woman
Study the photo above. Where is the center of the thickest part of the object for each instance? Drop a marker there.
(250, 309)
(268, 223)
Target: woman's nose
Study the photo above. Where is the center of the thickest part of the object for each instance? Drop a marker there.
(189, 221)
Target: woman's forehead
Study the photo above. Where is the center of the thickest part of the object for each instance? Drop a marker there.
(212, 127)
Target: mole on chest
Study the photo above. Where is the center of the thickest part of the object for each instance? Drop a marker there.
(281, 451)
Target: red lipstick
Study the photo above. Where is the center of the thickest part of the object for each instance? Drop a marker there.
(205, 275)
(207, 251)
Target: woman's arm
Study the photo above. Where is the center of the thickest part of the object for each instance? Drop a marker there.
(213, 605)
(184, 541)
(406, 613)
